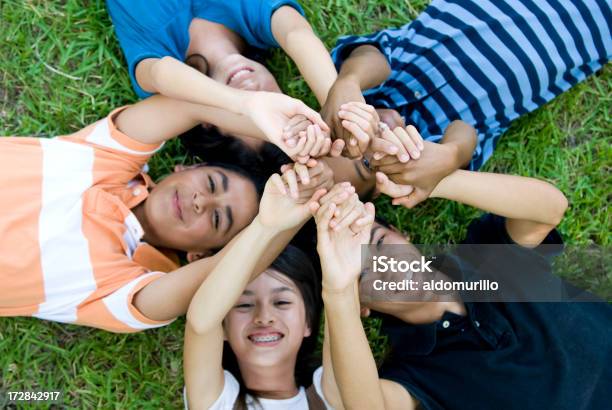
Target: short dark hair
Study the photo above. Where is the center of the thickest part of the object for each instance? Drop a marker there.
(294, 264)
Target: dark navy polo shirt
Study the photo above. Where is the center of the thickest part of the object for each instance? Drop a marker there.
(505, 355)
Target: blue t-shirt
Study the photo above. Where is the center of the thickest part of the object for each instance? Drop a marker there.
(155, 29)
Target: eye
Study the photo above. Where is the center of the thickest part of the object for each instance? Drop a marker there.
(282, 303)
(211, 184)
(216, 218)
(380, 241)
(243, 306)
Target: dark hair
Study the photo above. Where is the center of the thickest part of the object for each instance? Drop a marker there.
(209, 145)
(294, 264)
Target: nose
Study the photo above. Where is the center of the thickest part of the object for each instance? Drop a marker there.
(201, 202)
(264, 316)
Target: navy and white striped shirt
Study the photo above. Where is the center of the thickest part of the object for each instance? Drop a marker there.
(486, 62)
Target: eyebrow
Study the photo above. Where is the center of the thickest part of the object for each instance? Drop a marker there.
(275, 290)
(282, 289)
(224, 180)
(230, 218)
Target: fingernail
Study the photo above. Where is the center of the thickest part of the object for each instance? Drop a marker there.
(393, 150)
(353, 141)
(341, 112)
(404, 158)
(415, 154)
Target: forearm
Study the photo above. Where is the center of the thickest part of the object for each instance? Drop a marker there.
(366, 66)
(170, 296)
(354, 367)
(510, 196)
(229, 278)
(160, 118)
(328, 382)
(174, 79)
(462, 137)
(295, 36)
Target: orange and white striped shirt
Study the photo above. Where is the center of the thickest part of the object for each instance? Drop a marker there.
(70, 248)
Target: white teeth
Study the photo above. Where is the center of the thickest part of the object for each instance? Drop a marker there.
(266, 338)
(239, 74)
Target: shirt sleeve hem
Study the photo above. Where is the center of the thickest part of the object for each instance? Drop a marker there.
(132, 71)
(135, 312)
(127, 141)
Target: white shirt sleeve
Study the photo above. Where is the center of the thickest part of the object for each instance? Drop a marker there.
(316, 382)
(228, 396)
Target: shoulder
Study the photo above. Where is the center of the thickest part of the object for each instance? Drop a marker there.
(227, 398)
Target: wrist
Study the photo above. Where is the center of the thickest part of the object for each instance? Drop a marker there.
(335, 291)
(453, 154)
(265, 230)
(243, 101)
(347, 80)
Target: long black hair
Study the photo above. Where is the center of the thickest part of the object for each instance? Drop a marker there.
(295, 265)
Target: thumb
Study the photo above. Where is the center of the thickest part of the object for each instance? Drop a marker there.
(409, 201)
(312, 115)
(386, 186)
(336, 148)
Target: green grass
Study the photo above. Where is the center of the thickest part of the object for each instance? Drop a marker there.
(61, 69)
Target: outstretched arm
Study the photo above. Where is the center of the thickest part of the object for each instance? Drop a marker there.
(175, 79)
(295, 36)
(420, 165)
(350, 377)
(532, 207)
(366, 67)
(160, 118)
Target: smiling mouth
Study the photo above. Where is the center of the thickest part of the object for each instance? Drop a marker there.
(266, 339)
(239, 73)
(177, 206)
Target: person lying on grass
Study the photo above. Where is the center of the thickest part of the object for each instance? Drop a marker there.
(450, 353)
(485, 63)
(252, 347)
(81, 221)
(166, 44)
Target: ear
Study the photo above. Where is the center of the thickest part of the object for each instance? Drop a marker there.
(365, 312)
(307, 331)
(195, 256)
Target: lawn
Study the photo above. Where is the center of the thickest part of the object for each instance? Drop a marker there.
(61, 68)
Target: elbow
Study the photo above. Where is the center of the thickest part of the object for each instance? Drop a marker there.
(196, 321)
(196, 325)
(559, 205)
(159, 71)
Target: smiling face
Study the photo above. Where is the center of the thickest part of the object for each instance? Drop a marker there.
(268, 323)
(240, 72)
(199, 209)
(389, 302)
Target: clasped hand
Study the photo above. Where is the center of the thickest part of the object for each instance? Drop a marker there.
(344, 223)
